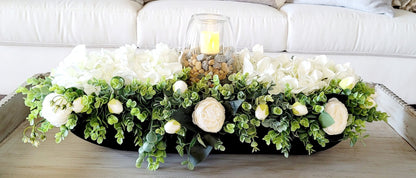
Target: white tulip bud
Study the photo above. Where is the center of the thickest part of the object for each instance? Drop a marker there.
(299, 109)
(339, 113)
(172, 126)
(262, 111)
(115, 106)
(369, 103)
(77, 106)
(181, 86)
(347, 83)
(55, 109)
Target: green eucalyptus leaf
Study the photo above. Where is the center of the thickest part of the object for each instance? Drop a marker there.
(112, 119)
(117, 82)
(147, 147)
(151, 137)
(180, 150)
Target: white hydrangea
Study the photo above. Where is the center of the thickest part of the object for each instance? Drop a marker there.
(127, 62)
(302, 75)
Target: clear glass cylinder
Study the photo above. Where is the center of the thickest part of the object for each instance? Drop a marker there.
(209, 47)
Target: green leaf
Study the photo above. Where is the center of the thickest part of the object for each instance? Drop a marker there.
(277, 111)
(229, 128)
(294, 125)
(140, 160)
(198, 153)
(117, 82)
(325, 120)
(151, 137)
(184, 117)
(198, 137)
(246, 106)
(304, 122)
(234, 105)
(147, 147)
(211, 140)
(112, 119)
(119, 141)
(180, 150)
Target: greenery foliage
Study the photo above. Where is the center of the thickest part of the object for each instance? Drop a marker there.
(147, 108)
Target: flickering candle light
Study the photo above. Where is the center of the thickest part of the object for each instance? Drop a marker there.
(210, 42)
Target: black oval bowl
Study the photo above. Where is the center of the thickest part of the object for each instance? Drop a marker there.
(231, 143)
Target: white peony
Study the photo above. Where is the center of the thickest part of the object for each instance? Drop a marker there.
(209, 115)
(339, 113)
(172, 126)
(299, 109)
(55, 109)
(262, 111)
(180, 85)
(77, 106)
(115, 106)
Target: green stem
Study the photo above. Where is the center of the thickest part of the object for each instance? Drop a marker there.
(41, 121)
(25, 130)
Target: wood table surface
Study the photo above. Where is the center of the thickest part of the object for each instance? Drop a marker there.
(385, 154)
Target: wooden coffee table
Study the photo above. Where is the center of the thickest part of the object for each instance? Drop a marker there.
(388, 152)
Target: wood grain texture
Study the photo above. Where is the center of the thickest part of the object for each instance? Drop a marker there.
(403, 116)
(385, 154)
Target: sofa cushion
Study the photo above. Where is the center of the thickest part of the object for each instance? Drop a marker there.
(327, 29)
(273, 3)
(374, 6)
(167, 21)
(68, 22)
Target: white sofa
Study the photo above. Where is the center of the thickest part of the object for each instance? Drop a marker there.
(36, 35)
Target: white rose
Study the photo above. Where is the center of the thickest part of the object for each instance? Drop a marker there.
(55, 109)
(209, 115)
(347, 83)
(77, 106)
(115, 106)
(339, 113)
(181, 86)
(262, 111)
(172, 126)
(299, 109)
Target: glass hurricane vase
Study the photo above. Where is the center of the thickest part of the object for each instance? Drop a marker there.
(209, 47)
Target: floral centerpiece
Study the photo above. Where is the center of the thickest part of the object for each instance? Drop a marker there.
(271, 101)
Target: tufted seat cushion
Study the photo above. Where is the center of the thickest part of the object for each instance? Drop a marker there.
(337, 30)
(68, 22)
(167, 21)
